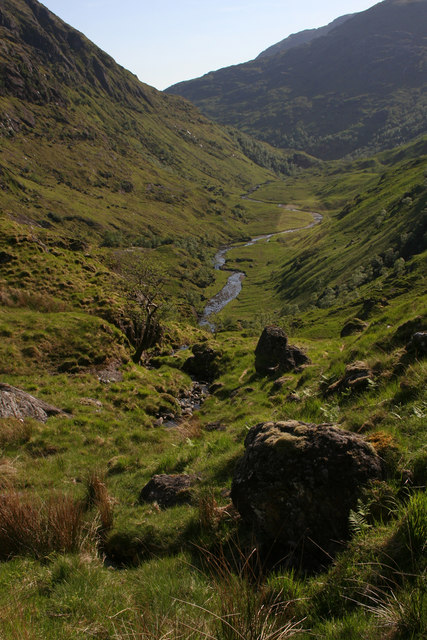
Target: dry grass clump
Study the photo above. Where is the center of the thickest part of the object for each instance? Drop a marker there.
(29, 525)
(97, 496)
(8, 473)
(190, 428)
(15, 431)
(211, 514)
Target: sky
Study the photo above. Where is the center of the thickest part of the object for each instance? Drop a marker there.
(167, 41)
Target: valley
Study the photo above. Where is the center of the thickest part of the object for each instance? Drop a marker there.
(232, 288)
(179, 461)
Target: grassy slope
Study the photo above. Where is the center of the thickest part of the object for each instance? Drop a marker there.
(111, 428)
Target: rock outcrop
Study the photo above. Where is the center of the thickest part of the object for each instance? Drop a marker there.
(296, 485)
(168, 490)
(357, 377)
(273, 354)
(355, 325)
(16, 403)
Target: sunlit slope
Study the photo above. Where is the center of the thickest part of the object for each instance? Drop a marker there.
(85, 146)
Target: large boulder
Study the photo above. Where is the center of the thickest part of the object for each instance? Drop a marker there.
(204, 363)
(273, 354)
(296, 485)
(168, 490)
(15, 403)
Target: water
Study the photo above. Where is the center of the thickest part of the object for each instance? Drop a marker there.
(233, 286)
(229, 292)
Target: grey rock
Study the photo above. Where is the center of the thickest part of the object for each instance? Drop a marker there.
(168, 490)
(357, 377)
(19, 404)
(405, 331)
(418, 344)
(204, 363)
(273, 354)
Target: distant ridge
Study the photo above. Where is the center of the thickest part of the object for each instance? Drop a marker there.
(359, 89)
(302, 37)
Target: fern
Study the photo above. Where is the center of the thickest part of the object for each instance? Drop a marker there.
(358, 519)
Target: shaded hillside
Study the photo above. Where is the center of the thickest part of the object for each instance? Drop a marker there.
(359, 89)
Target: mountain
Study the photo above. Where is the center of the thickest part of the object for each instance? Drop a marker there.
(88, 148)
(302, 37)
(358, 89)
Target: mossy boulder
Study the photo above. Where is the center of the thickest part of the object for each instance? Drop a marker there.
(296, 484)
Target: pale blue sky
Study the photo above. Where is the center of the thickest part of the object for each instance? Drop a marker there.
(166, 41)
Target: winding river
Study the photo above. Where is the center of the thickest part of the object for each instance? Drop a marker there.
(233, 286)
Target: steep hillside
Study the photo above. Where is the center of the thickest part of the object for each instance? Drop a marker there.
(359, 89)
(83, 139)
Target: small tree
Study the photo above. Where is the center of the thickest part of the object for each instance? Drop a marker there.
(143, 284)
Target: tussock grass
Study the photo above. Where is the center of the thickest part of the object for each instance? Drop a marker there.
(14, 431)
(29, 525)
(43, 302)
(97, 496)
(243, 606)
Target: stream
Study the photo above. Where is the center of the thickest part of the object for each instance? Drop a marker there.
(233, 286)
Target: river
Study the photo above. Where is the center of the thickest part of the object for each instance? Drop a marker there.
(233, 286)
